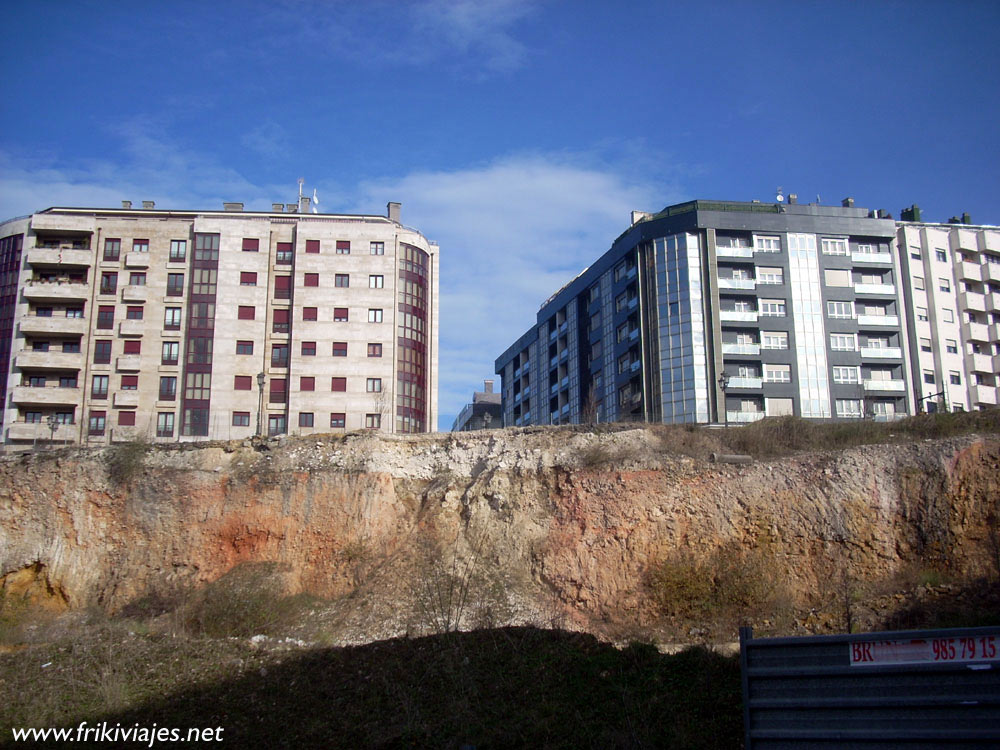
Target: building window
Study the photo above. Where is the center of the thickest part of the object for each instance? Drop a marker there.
(307, 383)
(109, 282)
(305, 419)
(951, 346)
(243, 383)
(194, 422)
(282, 321)
(203, 280)
(197, 386)
(774, 340)
(940, 255)
(140, 246)
(133, 313)
(843, 342)
(106, 317)
(168, 387)
(373, 421)
(99, 387)
(374, 350)
(338, 384)
(918, 282)
(137, 279)
(834, 246)
(126, 418)
(241, 419)
(944, 285)
(178, 250)
(283, 255)
(848, 407)
(40, 346)
(767, 244)
(279, 355)
(340, 314)
(175, 284)
(172, 319)
(171, 351)
(309, 313)
(929, 377)
(282, 287)
(337, 419)
(846, 375)
(33, 417)
(279, 391)
(251, 244)
(112, 249)
(376, 282)
(768, 275)
(165, 424)
(377, 248)
(71, 312)
(206, 247)
(922, 314)
(925, 345)
(955, 377)
(373, 385)
(244, 347)
(948, 316)
(248, 278)
(778, 373)
(835, 309)
(312, 246)
(133, 347)
(246, 312)
(374, 316)
(339, 348)
(312, 279)
(102, 352)
(914, 252)
(772, 308)
(342, 280)
(308, 348)
(71, 347)
(343, 247)
(96, 423)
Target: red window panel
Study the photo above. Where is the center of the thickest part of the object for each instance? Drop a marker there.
(251, 244)
(282, 319)
(312, 246)
(133, 347)
(243, 383)
(246, 312)
(340, 314)
(248, 278)
(309, 313)
(307, 383)
(312, 279)
(279, 391)
(339, 348)
(338, 384)
(343, 247)
(126, 418)
(129, 382)
(374, 350)
(106, 316)
(282, 287)
(308, 348)
(337, 418)
(244, 347)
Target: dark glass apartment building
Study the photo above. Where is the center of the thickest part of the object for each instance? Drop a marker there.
(721, 311)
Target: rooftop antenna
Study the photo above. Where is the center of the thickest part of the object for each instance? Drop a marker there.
(817, 198)
(315, 202)
(302, 181)
(779, 197)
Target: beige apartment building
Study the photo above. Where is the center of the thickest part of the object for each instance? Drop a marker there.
(161, 325)
(952, 303)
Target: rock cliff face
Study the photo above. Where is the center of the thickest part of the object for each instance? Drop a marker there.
(537, 523)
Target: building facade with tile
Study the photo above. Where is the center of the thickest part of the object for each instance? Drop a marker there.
(163, 325)
(722, 312)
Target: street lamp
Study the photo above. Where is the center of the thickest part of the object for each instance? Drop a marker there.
(53, 426)
(723, 382)
(260, 404)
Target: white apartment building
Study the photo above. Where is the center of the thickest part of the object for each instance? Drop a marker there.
(143, 323)
(951, 289)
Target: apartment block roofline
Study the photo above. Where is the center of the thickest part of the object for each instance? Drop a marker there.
(207, 212)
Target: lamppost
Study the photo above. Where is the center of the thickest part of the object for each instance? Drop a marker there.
(53, 426)
(723, 382)
(260, 403)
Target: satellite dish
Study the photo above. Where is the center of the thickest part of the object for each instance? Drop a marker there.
(779, 198)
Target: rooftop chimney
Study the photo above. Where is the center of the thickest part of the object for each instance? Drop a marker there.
(847, 202)
(126, 204)
(278, 207)
(488, 386)
(793, 198)
(910, 214)
(148, 204)
(291, 208)
(232, 206)
(304, 203)
(638, 216)
(392, 211)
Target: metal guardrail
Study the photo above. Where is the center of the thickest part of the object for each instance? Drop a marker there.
(906, 689)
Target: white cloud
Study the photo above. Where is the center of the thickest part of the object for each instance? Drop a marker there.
(477, 28)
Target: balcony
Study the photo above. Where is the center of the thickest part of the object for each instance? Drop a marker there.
(742, 417)
(135, 292)
(126, 398)
(879, 321)
(59, 291)
(131, 328)
(979, 332)
(741, 349)
(972, 301)
(993, 301)
(127, 363)
(739, 284)
(879, 258)
(136, 260)
(29, 360)
(66, 433)
(881, 352)
(745, 383)
(979, 362)
(891, 386)
(47, 396)
(991, 271)
(61, 325)
(985, 394)
(875, 289)
(725, 251)
(739, 316)
(61, 256)
(969, 271)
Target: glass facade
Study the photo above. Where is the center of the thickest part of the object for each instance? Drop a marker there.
(810, 335)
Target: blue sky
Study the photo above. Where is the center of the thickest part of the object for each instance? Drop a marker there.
(516, 133)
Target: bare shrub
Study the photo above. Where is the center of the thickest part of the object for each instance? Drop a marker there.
(125, 461)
